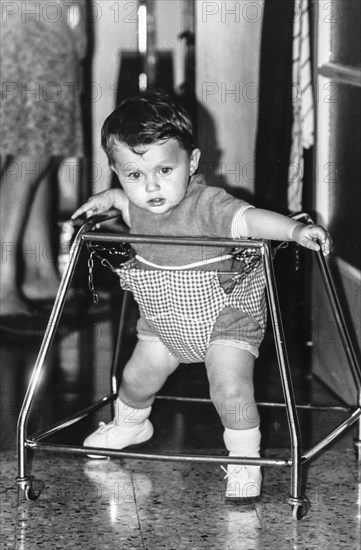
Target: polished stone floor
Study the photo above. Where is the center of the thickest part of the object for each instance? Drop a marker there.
(133, 504)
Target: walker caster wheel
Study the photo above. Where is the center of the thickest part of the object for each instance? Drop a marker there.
(32, 488)
(31, 494)
(300, 507)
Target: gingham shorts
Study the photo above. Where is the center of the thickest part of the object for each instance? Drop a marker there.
(232, 328)
(183, 307)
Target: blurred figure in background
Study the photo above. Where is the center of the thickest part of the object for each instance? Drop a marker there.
(42, 46)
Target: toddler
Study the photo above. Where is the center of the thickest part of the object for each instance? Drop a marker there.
(188, 311)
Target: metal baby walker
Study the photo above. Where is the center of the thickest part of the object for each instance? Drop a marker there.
(256, 249)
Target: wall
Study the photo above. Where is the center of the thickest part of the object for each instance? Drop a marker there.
(115, 32)
(227, 60)
(228, 36)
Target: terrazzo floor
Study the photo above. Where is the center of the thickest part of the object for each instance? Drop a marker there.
(135, 504)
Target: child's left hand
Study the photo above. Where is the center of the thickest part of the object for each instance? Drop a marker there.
(309, 236)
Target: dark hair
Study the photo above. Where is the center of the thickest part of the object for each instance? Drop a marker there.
(146, 118)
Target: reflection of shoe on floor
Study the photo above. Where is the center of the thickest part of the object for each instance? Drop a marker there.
(243, 482)
(113, 436)
(120, 484)
(247, 519)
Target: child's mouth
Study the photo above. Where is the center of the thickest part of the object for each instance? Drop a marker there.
(156, 202)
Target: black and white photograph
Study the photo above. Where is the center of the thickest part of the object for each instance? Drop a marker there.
(171, 382)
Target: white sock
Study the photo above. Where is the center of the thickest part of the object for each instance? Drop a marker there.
(243, 442)
(128, 416)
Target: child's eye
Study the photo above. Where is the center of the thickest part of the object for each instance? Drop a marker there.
(166, 170)
(133, 176)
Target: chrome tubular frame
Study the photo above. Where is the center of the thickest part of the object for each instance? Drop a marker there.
(297, 457)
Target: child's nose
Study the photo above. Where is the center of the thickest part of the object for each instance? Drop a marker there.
(152, 184)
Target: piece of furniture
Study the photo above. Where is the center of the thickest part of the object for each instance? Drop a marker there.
(297, 457)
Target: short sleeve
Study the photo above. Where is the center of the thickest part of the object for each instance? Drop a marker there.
(238, 225)
(215, 211)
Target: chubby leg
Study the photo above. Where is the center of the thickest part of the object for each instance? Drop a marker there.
(230, 374)
(144, 374)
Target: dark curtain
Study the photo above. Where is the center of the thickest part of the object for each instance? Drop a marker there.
(273, 142)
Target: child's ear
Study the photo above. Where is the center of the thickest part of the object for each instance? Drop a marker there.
(194, 161)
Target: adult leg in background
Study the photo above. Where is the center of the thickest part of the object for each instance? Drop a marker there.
(41, 277)
(20, 179)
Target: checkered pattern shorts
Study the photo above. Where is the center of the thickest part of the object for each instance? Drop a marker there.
(182, 306)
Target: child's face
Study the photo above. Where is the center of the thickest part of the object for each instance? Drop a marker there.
(158, 179)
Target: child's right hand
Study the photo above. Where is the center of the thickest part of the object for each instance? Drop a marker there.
(101, 202)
